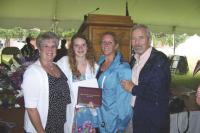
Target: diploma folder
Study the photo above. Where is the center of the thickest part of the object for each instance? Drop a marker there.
(89, 94)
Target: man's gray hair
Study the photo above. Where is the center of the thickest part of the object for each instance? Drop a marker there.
(142, 26)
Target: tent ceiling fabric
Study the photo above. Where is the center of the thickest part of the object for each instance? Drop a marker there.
(160, 15)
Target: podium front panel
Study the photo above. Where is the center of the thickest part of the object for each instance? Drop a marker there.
(123, 34)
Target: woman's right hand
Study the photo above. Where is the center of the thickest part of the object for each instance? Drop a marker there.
(127, 85)
(198, 96)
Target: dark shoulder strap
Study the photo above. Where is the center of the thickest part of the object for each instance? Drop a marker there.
(188, 121)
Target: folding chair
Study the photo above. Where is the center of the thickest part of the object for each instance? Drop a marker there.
(12, 51)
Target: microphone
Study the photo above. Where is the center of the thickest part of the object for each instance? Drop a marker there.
(85, 16)
(93, 11)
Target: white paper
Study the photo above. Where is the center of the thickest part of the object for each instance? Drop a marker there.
(84, 83)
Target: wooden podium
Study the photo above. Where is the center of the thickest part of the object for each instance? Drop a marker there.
(94, 25)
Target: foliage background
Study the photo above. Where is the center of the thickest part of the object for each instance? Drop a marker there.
(18, 32)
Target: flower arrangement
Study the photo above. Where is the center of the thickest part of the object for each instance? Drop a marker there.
(16, 78)
(10, 90)
(4, 79)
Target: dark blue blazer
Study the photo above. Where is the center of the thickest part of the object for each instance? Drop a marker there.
(151, 113)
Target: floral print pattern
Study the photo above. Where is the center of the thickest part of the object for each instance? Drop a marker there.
(83, 120)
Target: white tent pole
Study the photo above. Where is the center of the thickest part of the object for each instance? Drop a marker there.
(55, 20)
(174, 47)
(173, 37)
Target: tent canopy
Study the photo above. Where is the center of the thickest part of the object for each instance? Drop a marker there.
(170, 16)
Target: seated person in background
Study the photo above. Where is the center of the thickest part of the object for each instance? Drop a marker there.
(62, 51)
(29, 51)
(17, 60)
(10, 55)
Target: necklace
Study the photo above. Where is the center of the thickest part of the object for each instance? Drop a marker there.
(51, 69)
(48, 67)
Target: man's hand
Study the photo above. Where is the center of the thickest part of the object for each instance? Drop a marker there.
(127, 85)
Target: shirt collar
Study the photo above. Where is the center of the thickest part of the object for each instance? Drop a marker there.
(146, 54)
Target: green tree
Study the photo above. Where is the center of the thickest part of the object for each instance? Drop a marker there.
(18, 32)
(33, 33)
(180, 38)
(161, 39)
(6, 34)
(66, 33)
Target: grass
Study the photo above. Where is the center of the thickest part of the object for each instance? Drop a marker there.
(186, 81)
